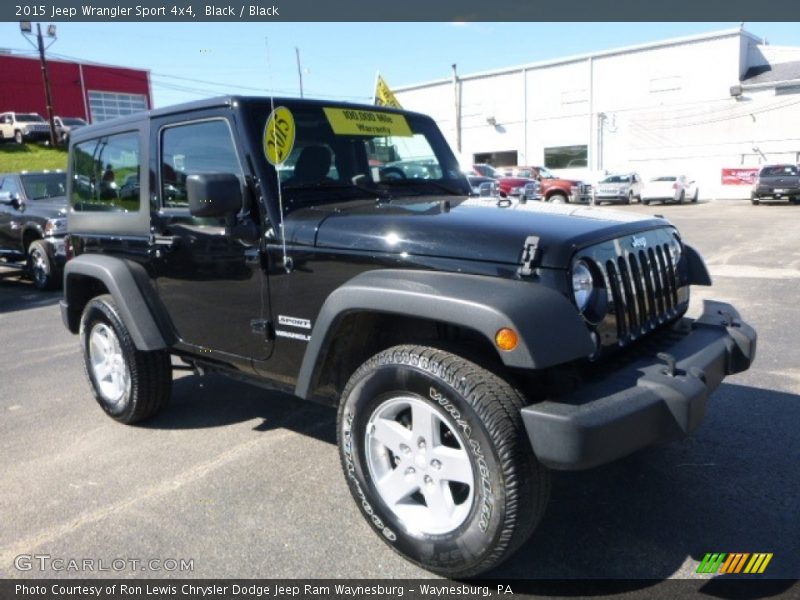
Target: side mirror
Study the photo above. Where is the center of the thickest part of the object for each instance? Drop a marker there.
(214, 194)
(12, 200)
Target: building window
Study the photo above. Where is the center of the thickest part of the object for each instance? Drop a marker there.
(566, 157)
(497, 159)
(109, 105)
(665, 84)
(574, 96)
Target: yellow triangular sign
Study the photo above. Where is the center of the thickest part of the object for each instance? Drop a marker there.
(383, 95)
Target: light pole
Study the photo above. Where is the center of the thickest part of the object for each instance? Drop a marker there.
(27, 31)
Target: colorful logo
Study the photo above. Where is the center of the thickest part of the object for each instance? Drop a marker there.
(722, 563)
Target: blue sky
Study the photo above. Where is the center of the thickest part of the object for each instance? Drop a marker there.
(194, 60)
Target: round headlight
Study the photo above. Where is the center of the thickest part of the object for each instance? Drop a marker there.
(582, 284)
(675, 251)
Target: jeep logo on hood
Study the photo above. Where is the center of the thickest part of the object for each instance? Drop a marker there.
(638, 242)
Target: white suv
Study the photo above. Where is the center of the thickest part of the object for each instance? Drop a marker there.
(23, 127)
(621, 187)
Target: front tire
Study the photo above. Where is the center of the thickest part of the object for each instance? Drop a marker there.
(558, 199)
(18, 137)
(129, 384)
(41, 267)
(437, 458)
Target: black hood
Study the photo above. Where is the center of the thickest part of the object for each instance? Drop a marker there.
(472, 229)
(47, 208)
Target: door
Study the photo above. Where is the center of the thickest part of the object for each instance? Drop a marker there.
(211, 282)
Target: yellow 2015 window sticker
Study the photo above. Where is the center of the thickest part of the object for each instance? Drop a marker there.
(279, 135)
(349, 121)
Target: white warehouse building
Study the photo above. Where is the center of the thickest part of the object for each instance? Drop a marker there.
(713, 106)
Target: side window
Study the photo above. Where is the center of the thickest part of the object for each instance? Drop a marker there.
(106, 174)
(8, 184)
(202, 147)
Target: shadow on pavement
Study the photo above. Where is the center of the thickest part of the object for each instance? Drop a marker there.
(731, 487)
(216, 401)
(17, 292)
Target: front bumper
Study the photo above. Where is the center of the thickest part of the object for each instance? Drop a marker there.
(56, 248)
(581, 194)
(646, 402)
(36, 136)
(610, 197)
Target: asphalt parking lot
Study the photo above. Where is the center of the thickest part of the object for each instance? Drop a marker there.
(247, 483)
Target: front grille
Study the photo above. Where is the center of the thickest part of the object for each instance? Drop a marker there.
(643, 290)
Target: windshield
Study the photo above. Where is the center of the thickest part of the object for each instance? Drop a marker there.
(29, 118)
(342, 153)
(44, 185)
(545, 174)
(663, 179)
(617, 179)
(524, 172)
(72, 122)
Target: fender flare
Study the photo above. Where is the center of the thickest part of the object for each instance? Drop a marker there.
(550, 328)
(698, 272)
(27, 227)
(128, 284)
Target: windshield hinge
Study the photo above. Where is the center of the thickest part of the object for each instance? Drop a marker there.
(531, 255)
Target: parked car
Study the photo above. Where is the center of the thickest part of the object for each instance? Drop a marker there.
(23, 127)
(553, 188)
(670, 188)
(621, 187)
(468, 348)
(524, 187)
(65, 126)
(479, 184)
(776, 182)
(33, 222)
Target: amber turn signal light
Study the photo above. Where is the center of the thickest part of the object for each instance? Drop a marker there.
(506, 339)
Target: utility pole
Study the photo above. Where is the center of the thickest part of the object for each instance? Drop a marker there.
(299, 70)
(26, 29)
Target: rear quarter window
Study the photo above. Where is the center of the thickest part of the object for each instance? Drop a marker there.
(105, 174)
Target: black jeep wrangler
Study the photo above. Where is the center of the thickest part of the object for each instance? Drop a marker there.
(333, 251)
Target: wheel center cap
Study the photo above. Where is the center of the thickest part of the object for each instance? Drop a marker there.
(420, 461)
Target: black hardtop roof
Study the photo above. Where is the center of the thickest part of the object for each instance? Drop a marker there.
(222, 101)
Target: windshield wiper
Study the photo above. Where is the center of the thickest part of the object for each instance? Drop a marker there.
(431, 182)
(337, 186)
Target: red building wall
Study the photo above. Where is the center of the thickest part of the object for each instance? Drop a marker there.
(22, 89)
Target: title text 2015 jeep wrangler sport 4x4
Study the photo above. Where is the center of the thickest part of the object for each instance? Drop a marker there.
(469, 348)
